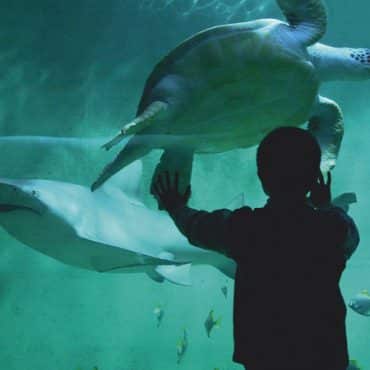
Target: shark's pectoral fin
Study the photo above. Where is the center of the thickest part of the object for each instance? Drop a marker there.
(345, 200)
(177, 274)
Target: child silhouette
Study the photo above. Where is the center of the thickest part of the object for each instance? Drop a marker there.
(289, 313)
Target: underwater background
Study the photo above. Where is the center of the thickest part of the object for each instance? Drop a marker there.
(77, 68)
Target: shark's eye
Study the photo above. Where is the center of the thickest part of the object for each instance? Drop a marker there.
(34, 193)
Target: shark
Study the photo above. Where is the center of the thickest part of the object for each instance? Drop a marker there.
(49, 157)
(109, 230)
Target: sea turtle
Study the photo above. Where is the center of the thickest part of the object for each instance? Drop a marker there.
(227, 86)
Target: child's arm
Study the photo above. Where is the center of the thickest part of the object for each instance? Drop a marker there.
(209, 230)
(203, 229)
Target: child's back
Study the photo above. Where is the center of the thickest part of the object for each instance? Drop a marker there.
(288, 308)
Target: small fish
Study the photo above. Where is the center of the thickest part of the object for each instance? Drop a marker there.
(210, 323)
(353, 365)
(159, 313)
(361, 303)
(224, 291)
(182, 346)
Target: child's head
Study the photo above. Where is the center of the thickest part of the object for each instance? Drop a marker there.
(288, 162)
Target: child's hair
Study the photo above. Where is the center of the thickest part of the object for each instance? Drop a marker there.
(288, 161)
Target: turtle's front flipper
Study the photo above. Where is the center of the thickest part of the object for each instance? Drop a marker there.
(134, 149)
(175, 160)
(326, 124)
(307, 19)
(139, 123)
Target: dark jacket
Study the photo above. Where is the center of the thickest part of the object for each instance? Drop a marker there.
(288, 308)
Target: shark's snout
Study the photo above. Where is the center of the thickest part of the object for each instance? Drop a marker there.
(15, 195)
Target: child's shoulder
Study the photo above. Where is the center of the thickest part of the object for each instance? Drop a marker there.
(333, 222)
(244, 211)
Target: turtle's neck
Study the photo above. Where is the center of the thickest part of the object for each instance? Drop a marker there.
(335, 64)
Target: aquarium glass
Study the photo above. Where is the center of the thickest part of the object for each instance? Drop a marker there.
(71, 75)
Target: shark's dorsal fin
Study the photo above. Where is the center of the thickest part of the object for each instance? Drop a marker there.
(175, 274)
(127, 180)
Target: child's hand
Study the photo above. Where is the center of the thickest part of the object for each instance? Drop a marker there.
(168, 195)
(321, 194)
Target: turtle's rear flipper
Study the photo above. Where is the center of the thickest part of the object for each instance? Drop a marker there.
(307, 19)
(326, 124)
(175, 160)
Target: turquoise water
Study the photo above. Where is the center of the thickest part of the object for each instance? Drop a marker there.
(77, 69)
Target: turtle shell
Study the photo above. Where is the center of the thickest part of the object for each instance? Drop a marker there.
(229, 85)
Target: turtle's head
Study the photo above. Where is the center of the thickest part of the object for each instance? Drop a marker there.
(360, 62)
(340, 63)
